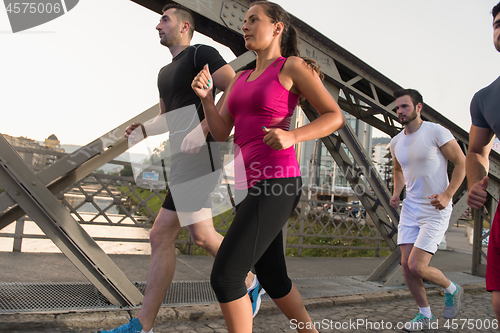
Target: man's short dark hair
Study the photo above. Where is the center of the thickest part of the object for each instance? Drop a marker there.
(496, 10)
(183, 13)
(415, 96)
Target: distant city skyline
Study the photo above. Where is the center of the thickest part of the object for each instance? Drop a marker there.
(94, 68)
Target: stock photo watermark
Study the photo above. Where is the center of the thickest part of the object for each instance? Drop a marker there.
(366, 324)
(24, 15)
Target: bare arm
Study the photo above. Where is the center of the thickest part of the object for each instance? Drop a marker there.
(451, 150)
(477, 165)
(197, 137)
(220, 123)
(309, 85)
(222, 79)
(137, 132)
(399, 184)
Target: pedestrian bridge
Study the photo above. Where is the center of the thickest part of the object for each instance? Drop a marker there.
(360, 91)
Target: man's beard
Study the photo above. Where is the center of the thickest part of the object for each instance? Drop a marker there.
(410, 118)
(167, 41)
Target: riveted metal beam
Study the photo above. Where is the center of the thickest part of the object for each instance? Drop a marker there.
(30, 193)
(77, 165)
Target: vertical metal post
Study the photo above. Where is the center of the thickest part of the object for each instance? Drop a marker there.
(189, 243)
(311, 172)
(377, 245)
(18, 235)
(28, 158)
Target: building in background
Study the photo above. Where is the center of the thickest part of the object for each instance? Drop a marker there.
(381, 158)
(319, 170)
(52, 142)
(37, 154)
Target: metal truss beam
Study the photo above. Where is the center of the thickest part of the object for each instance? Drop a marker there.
(363, 179)
(30, 193)
(77, 165)
(458, 209)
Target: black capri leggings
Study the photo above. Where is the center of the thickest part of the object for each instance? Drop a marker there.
(254, 239)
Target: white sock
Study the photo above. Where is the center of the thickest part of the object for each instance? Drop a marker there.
(451, 288)
(254, 283)
(143, 331)
(426, 311)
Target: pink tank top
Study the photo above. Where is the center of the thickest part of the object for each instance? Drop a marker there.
(261, 102)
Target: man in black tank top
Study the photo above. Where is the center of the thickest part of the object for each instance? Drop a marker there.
(176, 29)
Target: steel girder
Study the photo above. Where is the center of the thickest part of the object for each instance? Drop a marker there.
(77, 165)
(30, 193)
(35, 195)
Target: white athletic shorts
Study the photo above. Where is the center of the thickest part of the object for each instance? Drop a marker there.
(423, 225)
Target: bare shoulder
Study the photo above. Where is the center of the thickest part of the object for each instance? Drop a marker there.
(295, 63)
(298, 68)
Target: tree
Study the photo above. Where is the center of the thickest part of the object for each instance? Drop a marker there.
(127, 171)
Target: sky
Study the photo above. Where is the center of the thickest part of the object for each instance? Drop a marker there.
(88, 71)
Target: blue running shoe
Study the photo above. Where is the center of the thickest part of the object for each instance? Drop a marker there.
(133, 326)
(255, 292)
(453, 302)
(418, 324)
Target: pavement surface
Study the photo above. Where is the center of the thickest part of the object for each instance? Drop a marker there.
(334, 289)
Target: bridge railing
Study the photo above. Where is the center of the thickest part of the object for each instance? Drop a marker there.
(317, 228)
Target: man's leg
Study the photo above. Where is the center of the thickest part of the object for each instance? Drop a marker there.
(414, 282)
(495, 301)
(205, 236)
(417, 290)
(161, 267)
(419, 265)
(493, 264)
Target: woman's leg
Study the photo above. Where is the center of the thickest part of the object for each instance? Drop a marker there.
(234, 258)
(255, 238)
(238, 315)
(293, 308)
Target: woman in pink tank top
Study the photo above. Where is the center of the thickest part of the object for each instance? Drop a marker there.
(259, 107)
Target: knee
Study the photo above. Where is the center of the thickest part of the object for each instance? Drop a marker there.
(416, 268)
(202, 240)
(216, 281)
(227, 285)
(276, 288)
(220, 284)
(163, 233)
(405, 264)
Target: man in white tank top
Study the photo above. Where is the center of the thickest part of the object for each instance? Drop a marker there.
(421, 152)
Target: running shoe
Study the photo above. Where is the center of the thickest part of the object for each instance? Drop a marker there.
(418, 324)
(255, 292)
(133, 326)
(453, 302)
